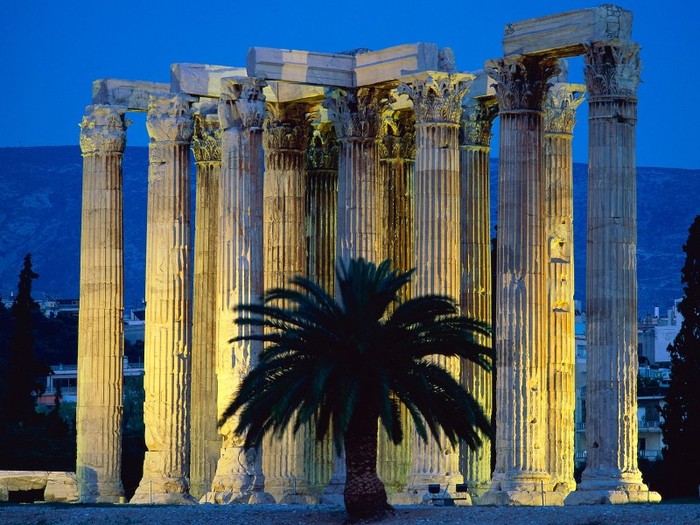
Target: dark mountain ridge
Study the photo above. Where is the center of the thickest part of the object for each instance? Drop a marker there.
(40, 201)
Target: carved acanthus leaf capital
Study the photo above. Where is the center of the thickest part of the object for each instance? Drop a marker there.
(397, 137)
(103, 130)
(286, 127)
(560, 107)
(522, 82)
(356, 112)
(612, 69)
(322, 153)
(437, 97)
(169, 119)
(206, 140)
(477, 119)
(242, 103)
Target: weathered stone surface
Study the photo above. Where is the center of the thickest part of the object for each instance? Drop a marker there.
(201, 79)
(14, 480)
(376, 67)
(520, 338)
(101, 332)
(325, 69)
(565, 34)
(132, 94)
(61, 486)
(559, 119)
(167, 337)
(475, 272)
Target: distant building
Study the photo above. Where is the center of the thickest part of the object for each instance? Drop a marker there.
(655, 334)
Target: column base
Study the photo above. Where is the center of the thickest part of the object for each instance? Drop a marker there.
(602, 490)
(100, 493)
(170, 491)
(533, 489)
(289, 493)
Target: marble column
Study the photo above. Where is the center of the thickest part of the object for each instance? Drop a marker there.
(322, 205)
(205, 442)
(436, 101)
(397, 149)
(356, 115)
(611, 475)
(238, 477)
(321, 208)
(475, 253)
(167, 336)
(100, 330)
(520, 476)
(285, 136)
(559, 119)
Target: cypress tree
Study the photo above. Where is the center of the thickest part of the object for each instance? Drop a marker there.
(20, 394)
(681, 413)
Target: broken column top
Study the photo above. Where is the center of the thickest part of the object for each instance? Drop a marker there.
(564, 34)
(131, 94)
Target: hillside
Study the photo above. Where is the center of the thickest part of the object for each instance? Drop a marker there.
(40, 195)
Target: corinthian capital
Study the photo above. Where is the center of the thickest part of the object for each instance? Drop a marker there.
(356, 112)
(522, 82)
(169, 119)
(397, 137)
(242, 103)
(437, 97)
(322, 153)
(103, 130)
(206, 139)
(560, 107)
(286, 127)
(612, 69)
(475, 126)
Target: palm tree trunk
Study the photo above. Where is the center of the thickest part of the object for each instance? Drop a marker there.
(365, 496)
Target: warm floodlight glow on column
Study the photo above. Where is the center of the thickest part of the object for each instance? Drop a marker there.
(100, 332)
(475, 297)
(168, 287)
(520, 476)
(437, 102)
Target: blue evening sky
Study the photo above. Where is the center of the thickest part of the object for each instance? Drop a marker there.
(50, 52)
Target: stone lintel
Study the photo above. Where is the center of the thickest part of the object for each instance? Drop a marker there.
(201, 79)
(290, 92)
(305, 67)
(385, 65)
(564, 34)
(132, 94)
(482, 86)
(338, 70)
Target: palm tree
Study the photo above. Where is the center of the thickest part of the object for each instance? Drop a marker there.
(349, 364)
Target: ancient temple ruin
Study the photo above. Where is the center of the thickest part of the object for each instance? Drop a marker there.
(303, 159)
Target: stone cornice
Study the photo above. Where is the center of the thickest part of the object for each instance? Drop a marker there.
(437, 97)
(103, 130)
(242, 103)
(476, 122)
(397, 137)
(560, 108)
(206, 139)
(522, 82)
(356, 112)
(286, 127)
(612, 69)
(322, 153)
(169, 119)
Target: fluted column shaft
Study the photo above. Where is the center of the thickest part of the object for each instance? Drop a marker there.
(101, 334)
(397, 148)
(436, 100)
(322, 205)
(475, 251)
(321, 210)
(520, 474)
(559, 120)
(612, 74)
(168, 288)
(239, 272)
(285, 136)
(205, 440)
